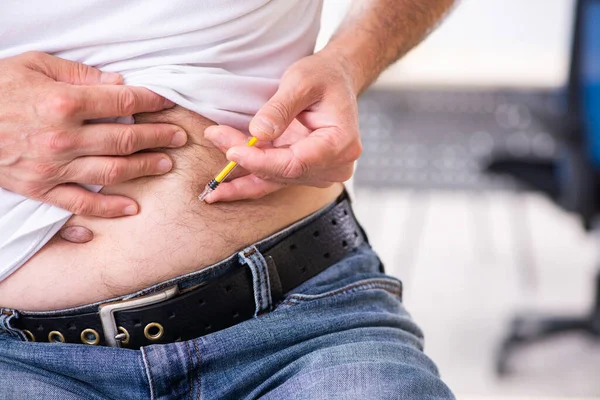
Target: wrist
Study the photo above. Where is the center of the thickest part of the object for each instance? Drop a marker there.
(356, 62)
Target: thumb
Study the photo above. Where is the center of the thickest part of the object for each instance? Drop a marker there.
(278, 113)
(72, 72)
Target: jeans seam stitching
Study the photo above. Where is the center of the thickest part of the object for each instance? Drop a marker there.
(148, 373)
(388, 286)
(198, 375)
(190, 379)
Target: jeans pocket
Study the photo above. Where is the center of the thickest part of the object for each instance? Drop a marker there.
(390, 285)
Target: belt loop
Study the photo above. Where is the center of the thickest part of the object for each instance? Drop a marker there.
(260, 278)
(276, 289)
(6, 316)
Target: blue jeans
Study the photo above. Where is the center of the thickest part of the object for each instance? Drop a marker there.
(343, 334)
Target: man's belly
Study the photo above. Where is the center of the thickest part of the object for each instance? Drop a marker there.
(172, 235)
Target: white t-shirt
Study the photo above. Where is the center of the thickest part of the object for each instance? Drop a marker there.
(220, 58)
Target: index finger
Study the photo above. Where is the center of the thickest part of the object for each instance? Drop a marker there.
(93, 102)
(296, 162)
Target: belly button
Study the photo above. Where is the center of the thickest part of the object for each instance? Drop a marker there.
(76, 234)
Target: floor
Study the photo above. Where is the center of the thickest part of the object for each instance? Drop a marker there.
(469, 260)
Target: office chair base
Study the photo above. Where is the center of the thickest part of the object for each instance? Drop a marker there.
(528, 329)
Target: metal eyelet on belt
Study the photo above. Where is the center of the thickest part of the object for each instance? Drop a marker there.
(124, 339)
(156, 335)
(54, 335)
(85, 337)
(29, 335)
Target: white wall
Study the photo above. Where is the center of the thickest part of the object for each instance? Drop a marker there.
(484, 42)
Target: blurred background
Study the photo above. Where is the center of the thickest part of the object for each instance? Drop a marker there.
(477, 186)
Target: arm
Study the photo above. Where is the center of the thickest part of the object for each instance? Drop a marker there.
(376, 33)
(309, 128)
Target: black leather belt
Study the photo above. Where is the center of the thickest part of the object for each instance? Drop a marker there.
(169, 316)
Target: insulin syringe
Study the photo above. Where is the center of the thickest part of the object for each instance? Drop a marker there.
(213, 184)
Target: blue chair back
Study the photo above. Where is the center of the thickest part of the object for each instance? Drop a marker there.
(586, 77)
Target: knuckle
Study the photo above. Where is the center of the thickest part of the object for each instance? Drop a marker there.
(353, 152)
(29, 189)
(127, 141)
(336, 138)
(112, 173)
(295, 169)
(57, 142)
(145, 166)
(305, 83)
(345, 145)
(280, 110)
(262, 176)
(44, 171)
(126, 101)
(347, 173)
(304, 88)
(297, 76)
(80, 72)
(60, 105)
(78, 205)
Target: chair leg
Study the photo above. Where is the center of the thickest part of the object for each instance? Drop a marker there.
(527, 329)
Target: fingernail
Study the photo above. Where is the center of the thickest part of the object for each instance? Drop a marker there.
(164, 165)
(110, 77)
(263, 126)
(179, 139)
(130, 210)
(168, 103)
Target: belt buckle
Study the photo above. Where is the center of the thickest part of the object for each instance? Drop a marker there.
(107, 311)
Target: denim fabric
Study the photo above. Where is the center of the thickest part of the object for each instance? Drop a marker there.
(343, 334)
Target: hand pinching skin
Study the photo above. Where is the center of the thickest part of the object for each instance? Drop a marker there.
(47, 148)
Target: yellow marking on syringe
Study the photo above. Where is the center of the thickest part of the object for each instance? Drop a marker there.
(212, 185)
